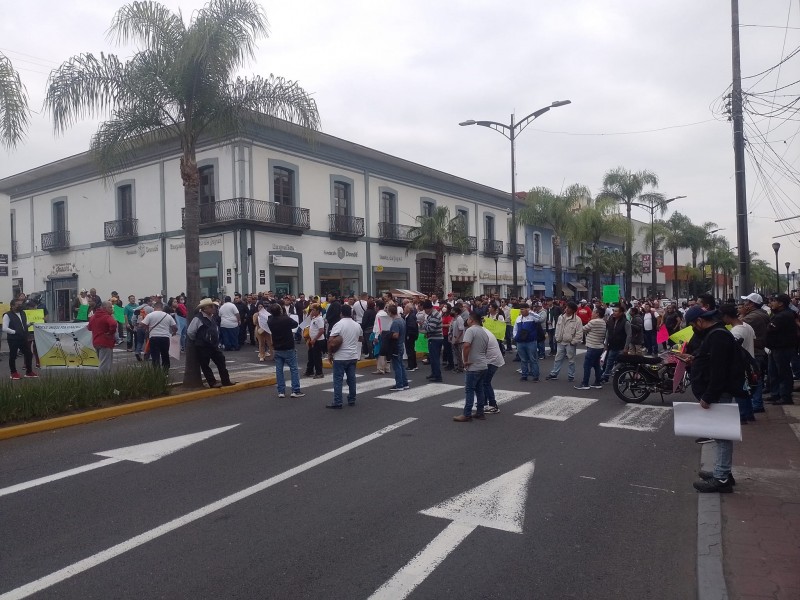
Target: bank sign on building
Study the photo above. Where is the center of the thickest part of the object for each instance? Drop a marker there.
(276, 213)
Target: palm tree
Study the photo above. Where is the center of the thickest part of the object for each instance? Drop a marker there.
(762, 275)
(597, 220)
(178, 86)
(674, 230)
(556, 212)
(628, 188)
(14, 111)
(442, 233)
(697, 240)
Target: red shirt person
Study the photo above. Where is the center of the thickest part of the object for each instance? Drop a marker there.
(104, 330)
(584, 312)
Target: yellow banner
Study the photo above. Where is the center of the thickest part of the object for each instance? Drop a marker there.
(4, 308)
(513, 315)
(34, 316)
(498, 328)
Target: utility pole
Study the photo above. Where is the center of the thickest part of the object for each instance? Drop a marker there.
(738, 154)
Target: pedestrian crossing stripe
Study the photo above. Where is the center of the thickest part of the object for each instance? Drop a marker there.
(502, 396)
(557, 408)
(368, 386)
(640, 418)
(417, 394)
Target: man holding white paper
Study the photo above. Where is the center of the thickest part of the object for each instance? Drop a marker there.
(718, 376)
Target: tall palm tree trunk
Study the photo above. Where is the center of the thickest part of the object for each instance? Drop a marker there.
(439, 270)
(675, 286)
(191, 187)
(628, 254)
(557, 264)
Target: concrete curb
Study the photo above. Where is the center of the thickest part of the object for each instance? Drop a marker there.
(710, 572)
(111, 412)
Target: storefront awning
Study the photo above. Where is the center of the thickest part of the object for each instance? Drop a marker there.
(566, 291)
(578, 286)
(467, 278)
(538, 287)
(401, 293)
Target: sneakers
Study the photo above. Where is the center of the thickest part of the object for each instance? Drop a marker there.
(228, 383)
(31, 375)
(297, 394)
(320, 376)
(596, 386)
(406, 387)
(412, 370)
(491, 410)
(581, 387)
(15, 376)
(703, 440)
(281, 395)
(519, 370)
(333, 406)
(396, 389)
(551, 377)
(714, 485)
(708, 475)
(570, 379)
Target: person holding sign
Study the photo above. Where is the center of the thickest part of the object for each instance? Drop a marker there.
(15, 324)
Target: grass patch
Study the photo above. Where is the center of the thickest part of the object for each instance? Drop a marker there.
(60, 392)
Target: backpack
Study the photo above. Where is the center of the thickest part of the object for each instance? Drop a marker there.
(207, 336)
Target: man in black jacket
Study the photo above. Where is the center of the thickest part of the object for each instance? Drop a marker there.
(718, 376)
(782, 343)
(333, 312)
(15, 326)
(412, 333)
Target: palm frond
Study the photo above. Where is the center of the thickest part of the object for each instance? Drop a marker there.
(150, 23)
(14, 112)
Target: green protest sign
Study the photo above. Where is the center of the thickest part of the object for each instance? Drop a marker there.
(83, 313)
(421, 345)
(610, 294)
(119, 314)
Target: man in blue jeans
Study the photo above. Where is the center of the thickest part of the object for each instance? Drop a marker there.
(281, 326)
(782, 342)
(525, 334)
(398, 331)
(474, 350)
(344, 349)
(432, 326)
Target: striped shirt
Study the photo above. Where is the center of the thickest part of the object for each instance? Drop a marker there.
(433, 325)
(595, 331)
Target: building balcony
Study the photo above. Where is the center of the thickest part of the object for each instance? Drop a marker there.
(121, 230)
(520, 251)
(14, 249)
(55, 241)
(472, 246)
(393, 234)
(259, 214)
(345, 227)
(492, 247)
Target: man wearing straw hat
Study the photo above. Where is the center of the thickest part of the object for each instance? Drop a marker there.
(203, 332)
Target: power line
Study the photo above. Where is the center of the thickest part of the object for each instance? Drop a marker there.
(626, 132)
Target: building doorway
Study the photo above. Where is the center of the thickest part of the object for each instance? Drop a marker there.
(427, 276)
(61, 293)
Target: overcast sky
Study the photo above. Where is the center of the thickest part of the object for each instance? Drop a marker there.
(645, 78)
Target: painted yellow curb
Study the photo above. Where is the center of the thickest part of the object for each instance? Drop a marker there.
(110, 412)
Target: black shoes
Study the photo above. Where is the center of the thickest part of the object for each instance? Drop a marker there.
(714, 485)
(708, 476)
(333, 406)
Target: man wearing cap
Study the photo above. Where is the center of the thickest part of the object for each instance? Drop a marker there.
(203, 332)
(717, 377)
(751, 312)
(432, 326)
(782, 343)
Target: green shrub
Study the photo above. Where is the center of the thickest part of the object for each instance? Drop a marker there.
(59, 392)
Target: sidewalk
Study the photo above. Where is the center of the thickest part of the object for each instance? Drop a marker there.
(761, 519)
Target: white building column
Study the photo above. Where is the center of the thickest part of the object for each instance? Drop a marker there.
(5, 249)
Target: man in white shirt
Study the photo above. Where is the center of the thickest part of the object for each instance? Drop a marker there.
(229, 324)
(359, 306)
(161, 327)
(344, 348)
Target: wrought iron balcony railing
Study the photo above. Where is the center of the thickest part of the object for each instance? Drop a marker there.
(269, 215)
(472, 245)
(121, 229)
(55, 240)
(493, 247)
(394, 234)
(520, 250)
(345, 226)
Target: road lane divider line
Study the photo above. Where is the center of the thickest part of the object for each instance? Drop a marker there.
(557, 408)
(640, 418)
(105, 555)
(55, 477)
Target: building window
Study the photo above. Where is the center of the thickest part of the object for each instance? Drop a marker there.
(341, 198)
(125, 202)
(488, 227)
(388, 207)
(207, 185)
(427, 208)
(60, 216)
(463, 214)
(537, 248)
(283, 180)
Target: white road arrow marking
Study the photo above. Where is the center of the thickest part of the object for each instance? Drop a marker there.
(141, 453)
(499, 503)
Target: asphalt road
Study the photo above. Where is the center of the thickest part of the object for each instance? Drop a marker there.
(609, 511)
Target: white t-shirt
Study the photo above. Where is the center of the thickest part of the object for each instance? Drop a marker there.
(229, 315)
(315, 325)
(349, 331)
(747, 334)
(493, 354)
(159, 324)
(383, 322)
(649, 321)
(358, 310)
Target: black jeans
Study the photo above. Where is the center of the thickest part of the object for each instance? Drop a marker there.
(19, 347)
(205, 354)
(316, 351)
(411, 341)
(159, 352)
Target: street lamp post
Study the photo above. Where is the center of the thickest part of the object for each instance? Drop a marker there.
(511, 132)
(793, 276)
(651, 208)
(777, 246)
(788, 291)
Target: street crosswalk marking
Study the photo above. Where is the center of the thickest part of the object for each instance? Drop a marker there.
(417, 394)
(368, 386)
(640, 418)
(557, 408)
(502, 396)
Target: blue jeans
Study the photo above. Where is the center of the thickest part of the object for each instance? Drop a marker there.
(724, 451)
(181, 330)
(757, 399)
(342, 368)
(592, 361)
(611, 360)
(435, 356)
(400, 377)
(567, 350)
(780, 374)
(529, 357)
(488, 390)
(288, 358)
(473, 386)
(540, 347)
(139, 338)
(230, 337)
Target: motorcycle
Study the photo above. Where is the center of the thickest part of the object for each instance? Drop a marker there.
(635, 377)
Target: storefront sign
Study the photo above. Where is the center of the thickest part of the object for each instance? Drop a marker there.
(284, 247)
(63, 268)
(204, 243)
(390, 258)
(341, 253)
(490, 275)
(143, 249)
(463, 269)
(645, 263)
(3, 259)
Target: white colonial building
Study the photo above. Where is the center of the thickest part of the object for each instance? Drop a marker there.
(277, 213)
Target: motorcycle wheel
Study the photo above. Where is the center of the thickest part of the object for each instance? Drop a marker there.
(629, 385)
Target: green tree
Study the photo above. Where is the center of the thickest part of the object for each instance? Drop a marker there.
(441, 233)
(180, 84)
(627, 188)
(556, 212)
(598, 220)
(14, 113)
(674, 231)
(697, 239)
